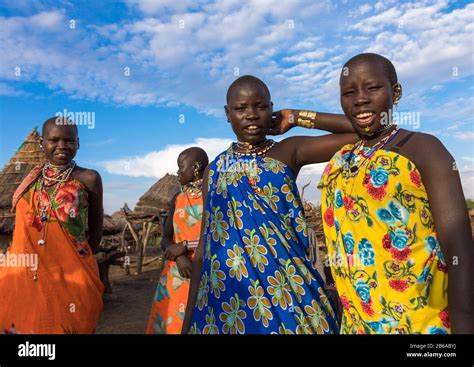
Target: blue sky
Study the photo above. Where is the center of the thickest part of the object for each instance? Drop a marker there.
(155, 73)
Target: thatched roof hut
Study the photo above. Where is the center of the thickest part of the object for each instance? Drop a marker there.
(119, 216)
(157, 198)
(110, 227)
(28, 155)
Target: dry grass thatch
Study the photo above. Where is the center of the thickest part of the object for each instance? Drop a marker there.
(313, 216)
(119, 216)
(28, 155)
(110, 227)
(157, 198)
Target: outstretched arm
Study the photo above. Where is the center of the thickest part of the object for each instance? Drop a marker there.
(286, 119)
(299, 151)
(451, 218)
(197, 262)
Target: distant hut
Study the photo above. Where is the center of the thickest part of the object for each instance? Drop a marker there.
(28, 155)
(119, 216)
(157, 198)
(146, 221)
(110, 227)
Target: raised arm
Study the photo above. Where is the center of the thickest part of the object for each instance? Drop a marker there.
(197, 262)
(286, 119)
(299, 151)
(451, 218)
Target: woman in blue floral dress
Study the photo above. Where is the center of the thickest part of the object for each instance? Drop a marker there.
(251, 273)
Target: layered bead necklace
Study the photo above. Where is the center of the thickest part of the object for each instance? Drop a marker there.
(193, 189)
(259, 150)
(352, 165)
(51, 175)
(244, 149)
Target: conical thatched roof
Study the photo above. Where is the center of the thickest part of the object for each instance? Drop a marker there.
(28, 155)
(110, 227)
(119, 216)
(157, 198)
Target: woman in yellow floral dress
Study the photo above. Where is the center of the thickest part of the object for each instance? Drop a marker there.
(395, 218)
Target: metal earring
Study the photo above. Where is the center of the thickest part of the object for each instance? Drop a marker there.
(197, 167)
(398, 90)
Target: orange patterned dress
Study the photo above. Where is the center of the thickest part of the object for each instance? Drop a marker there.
(51, 287)
(171, 297)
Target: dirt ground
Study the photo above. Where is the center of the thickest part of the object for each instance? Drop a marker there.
(126, 310)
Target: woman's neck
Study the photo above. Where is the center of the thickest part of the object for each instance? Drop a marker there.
(60, 166)
(247, 145)
(371, 140)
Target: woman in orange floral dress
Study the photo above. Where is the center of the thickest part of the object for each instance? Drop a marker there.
(181, 231)
(49, 281)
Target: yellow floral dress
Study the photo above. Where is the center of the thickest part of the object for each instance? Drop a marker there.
(386, 261)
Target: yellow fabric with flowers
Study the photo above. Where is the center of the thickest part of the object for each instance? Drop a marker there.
(386, 261)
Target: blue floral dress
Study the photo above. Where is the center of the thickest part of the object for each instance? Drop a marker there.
(256, 277)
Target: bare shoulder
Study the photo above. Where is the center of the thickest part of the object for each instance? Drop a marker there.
(88, 177)
(426, 150)
(284, 150)
(428, 145)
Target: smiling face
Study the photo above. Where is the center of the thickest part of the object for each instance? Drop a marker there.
(60, 143)
(366, 95)
(249, 110)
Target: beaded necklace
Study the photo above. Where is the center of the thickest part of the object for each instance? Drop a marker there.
(352, 164)
(51, 175)
(260, 149)
(193, 189)
(251, 170)
(381, 129)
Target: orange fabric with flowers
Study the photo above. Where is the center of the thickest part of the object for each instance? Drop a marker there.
(171, 297)
(64, 293)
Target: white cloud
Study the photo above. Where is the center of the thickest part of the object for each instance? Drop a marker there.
(159, 163)
(453, 114)
(171, 65)
(47, 20)
(377, 22)
(306, 56)
(426, 43)
(379, 6)
(175, 54)
(7, 90)
(310, 174)
(363, 9)
(467, 178)
(466, 135)
(308, 44)
(151, 7)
